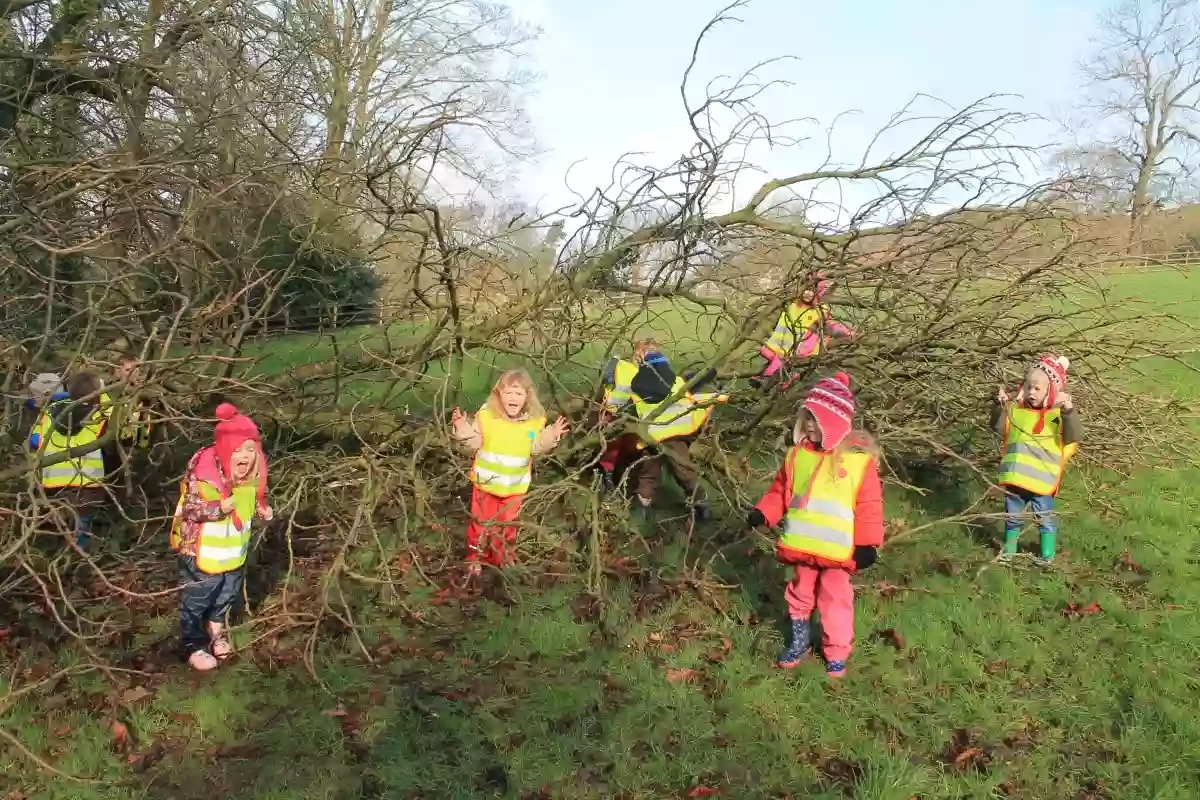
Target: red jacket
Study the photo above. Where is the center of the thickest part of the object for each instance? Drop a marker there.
(868, 512)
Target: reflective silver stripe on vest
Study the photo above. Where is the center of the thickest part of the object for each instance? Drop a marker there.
(671, 417)
(89, 468)
(1037, 473)
(1034, 451)
(221, 555)
(502, 460)
(829, 508)
(811, 530)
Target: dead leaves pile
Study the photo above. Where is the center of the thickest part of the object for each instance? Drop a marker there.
(1079, 610)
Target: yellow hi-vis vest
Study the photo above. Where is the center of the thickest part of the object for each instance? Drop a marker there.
(504, 463)
(137, 425)
(222, 546)
(820, 514)
(1033, 462)
(705, 402)
(678, 419)
(620, 393)
(793, 323)
(80, 471)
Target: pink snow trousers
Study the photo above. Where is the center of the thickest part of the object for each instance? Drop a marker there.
(829, 591)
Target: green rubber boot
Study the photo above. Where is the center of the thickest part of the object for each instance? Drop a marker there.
(1049, 539)
(1010, 545)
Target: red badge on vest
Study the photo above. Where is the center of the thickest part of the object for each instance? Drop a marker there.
(842, 473)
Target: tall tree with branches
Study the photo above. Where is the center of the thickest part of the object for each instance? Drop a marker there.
(1143, 85)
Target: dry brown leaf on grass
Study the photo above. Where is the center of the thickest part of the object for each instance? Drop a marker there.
(683, 675)
(121, 740)
(718, 654)
(143, 761)
(704, 791)
(1127, 563)
(1075, 610)
(966, 755)
(135, 693)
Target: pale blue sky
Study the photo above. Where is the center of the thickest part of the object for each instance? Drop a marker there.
(612, 69)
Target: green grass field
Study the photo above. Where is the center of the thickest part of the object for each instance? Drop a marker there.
(970, 680)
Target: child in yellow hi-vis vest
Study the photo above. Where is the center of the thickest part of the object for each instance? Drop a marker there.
(72, 422)
(505, 435)
(224, 489)
(801, 331)
(828, 499)
(1041, 432)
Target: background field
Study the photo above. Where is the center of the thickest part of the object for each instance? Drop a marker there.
(969, 679)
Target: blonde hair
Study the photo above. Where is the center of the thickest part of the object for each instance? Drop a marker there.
(515, 377)
(643, 346)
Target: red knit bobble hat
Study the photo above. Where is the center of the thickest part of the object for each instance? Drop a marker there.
(233, 429)
(1055, 368)
(832, 405)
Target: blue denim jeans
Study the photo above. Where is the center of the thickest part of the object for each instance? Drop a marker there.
(1016, 503)
(205, 598)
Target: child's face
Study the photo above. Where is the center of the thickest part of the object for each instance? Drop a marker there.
(808, 296)
(512, 398)
(810, 428)
(124, 370)
(243, 461)
(1037, 388)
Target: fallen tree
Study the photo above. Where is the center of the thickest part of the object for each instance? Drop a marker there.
(365, 480)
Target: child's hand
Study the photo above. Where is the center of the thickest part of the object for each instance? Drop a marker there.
(1002, 396)
(266, 513)
(1065, 402)
(559, 428)
(459, 421)
(227, 505)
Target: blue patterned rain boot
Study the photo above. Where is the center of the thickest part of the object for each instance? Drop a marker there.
(835, 669)
(800, 646)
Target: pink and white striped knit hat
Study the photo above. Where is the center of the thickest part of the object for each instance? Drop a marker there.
(832, 405)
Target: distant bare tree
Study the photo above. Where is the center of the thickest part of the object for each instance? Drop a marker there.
(1143, 86)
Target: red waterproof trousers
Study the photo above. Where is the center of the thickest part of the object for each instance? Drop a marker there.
(489, 536)
(623, 448)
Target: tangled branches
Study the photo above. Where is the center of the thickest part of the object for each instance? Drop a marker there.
(953, 268)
